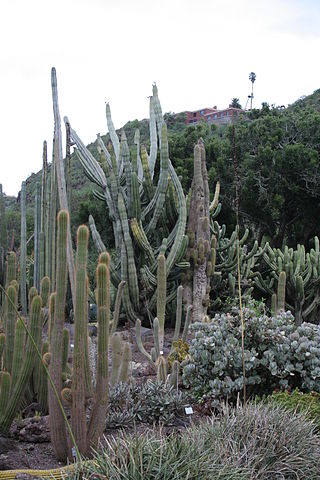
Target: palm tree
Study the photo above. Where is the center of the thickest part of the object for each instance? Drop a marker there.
(252, 78)
(235, 103)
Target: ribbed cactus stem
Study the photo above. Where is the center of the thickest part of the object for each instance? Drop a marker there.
(161, 296)
(116, 345)
(23, 251)
(36, 238)
(52, 222)
(78, 412)
(186, 324)
(52, 300)
(125, 363)
(81, 262)
(29, 357)
(18, 355)
(44, 290)
(33, 292)
(117, 305)
(2, 345)
(274, 304)
(5, 387)
(65, 349)
(99, 409)
(161, 370)
(174, 376)
(156, 337)
(43, 391)
(10, 326)
(11, 268)
(178, 314)
(281, 295)
(56, 419)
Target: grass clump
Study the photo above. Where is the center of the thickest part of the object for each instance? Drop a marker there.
(252, 442)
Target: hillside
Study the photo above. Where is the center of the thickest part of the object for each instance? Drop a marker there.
(270, 133)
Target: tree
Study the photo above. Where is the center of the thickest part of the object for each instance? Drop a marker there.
(235, 103)
(252, 78)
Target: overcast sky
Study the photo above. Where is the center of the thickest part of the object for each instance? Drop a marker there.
(199, 52)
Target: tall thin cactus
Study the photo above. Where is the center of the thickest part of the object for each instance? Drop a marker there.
(23, 251)
(56, 419)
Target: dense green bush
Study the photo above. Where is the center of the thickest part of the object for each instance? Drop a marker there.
(277, 355)
(308, 403)
(255, 442)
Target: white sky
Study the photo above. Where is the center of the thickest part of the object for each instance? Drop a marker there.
(199, 52)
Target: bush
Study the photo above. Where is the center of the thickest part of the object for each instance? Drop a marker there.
(308, 403)
(255, 442)
(150, 402)
(277, 355)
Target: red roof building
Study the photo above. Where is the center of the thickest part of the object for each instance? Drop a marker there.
(213, 115)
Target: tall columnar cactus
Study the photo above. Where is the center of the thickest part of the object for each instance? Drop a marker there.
(143, 214)
(43, 213)
(3, 237)
(23, 252)
(198, 229)
(56, 419)
(60, 175)
(78, 412)
(51, 229)
(86, 434)
(37, 230)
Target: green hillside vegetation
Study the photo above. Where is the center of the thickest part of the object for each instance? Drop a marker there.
(278, 155)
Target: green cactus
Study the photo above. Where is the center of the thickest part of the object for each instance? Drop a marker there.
(78, 412)
(156, 356)
(37, 226)
(139, 238)
(297, 274)
(25, 373)
(44, 290)
(56, 419)
(23, 252)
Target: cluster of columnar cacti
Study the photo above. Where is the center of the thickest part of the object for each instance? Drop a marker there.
(157, 355)
(86, 434)
(146, 216)
(299, 273)
(22, 376)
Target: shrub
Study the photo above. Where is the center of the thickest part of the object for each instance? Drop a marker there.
(277, 355)
(255, 442)
(308, 403)
(150, 402)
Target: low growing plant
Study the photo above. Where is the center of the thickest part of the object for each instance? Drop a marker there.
(254, 442)
(151, 402)
(308, 403)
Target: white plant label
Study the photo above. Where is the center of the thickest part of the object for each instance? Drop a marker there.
(188, 410)
(74, 453)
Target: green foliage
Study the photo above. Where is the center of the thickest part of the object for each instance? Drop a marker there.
(150, 402)
(277, 355)
(308, 403)
(255, 442)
